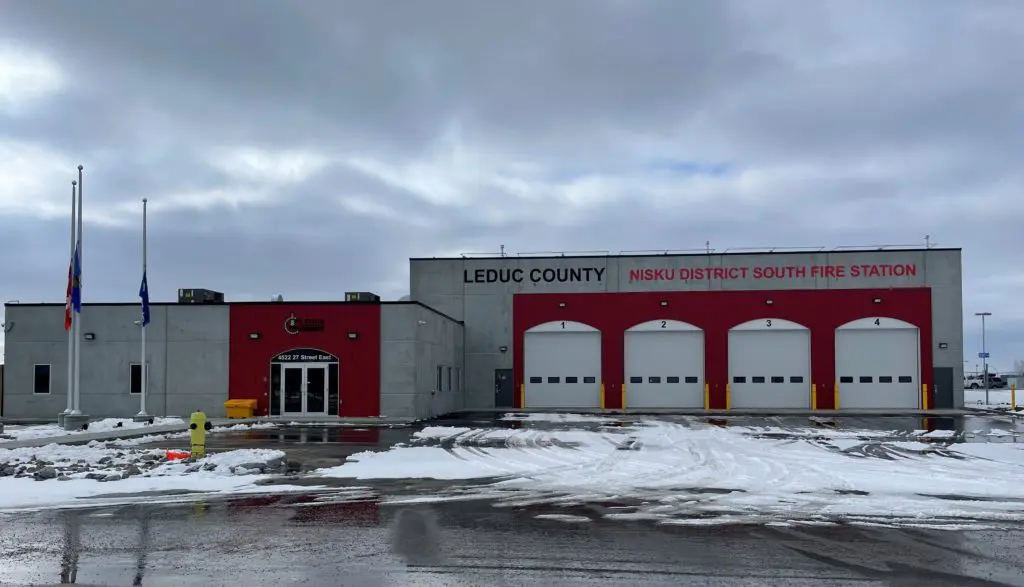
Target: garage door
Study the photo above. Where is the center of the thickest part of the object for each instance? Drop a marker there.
(562, 364)
(878, 364)
(770, 364)
(664, 365)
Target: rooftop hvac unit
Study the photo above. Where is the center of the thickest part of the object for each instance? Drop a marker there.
(194, 295)
(361, 296)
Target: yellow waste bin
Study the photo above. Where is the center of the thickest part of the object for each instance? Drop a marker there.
(240, 408)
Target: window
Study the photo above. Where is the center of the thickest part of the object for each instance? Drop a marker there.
(135, 378)
(906, 379)
(796, 379)
(739, 379)
(572, 379)
(590, 380)
(440, 377)
(636, 379)
(654, 379)
(553, 379)
(846, 379)
(672, 379)
(41, 380)
(885, 378)
(865, 379)
(536, 380)
(757, 379)
(690, 379)
(777, 379)
(449, 369)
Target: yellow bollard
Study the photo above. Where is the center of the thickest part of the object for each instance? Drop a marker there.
(707, 396)
(522, 395)
(728, 397)
(603, 403)
(924, 396)
(197, 429)
(623, 394)
(835, 396)
(814, 396)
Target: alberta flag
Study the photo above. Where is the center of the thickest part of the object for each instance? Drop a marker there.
(144, 294)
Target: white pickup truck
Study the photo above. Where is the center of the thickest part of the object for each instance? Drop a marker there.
(977, 381)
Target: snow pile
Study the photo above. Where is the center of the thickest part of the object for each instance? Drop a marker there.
(105, 425)
(557, 418)
(73, 473)
(673, 472)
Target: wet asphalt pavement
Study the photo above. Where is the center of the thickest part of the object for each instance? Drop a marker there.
(334, 537)
(288, 540)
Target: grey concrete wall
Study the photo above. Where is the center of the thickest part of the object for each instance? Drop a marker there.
(186, 348)
(486, 308)
(414, 342)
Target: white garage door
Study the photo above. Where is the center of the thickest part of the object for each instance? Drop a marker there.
(664, 365)
(878, 364)
(562, 364)
(770, 364)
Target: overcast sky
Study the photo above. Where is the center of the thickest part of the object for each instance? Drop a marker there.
(310, 147)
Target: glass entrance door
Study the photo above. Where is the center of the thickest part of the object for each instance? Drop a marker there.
(304, 390)
(291, 389)
(316, 389)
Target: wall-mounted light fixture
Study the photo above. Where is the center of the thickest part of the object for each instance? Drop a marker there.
(877, 300)
(663, 303)
(254, 336)
(89, 336)
(503, 349)
(353, 335)
(943, 345)
(561, 304)
(768, 302)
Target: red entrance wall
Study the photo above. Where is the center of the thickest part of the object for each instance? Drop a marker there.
(822, 311)
(359, 359)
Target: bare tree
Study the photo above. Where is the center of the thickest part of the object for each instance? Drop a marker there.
(1018, 367)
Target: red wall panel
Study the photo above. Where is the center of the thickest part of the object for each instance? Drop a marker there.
(359, 359)
(822, 311)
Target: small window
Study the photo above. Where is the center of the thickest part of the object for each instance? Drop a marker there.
(536, 380)
(796, 379)
(572, 379)
(865, 379)
(636, 379)
(739, 379)
(778, 379)
(846, 379)
(590, 380)
(691, 379)
(449, 370)
(135, 378)
(440, 378)
(671, 379)
(554, 379)
(757, 379)
(654, 379)
(906, 379)
(885, 378)
(41, 380)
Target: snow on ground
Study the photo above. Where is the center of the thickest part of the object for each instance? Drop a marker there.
(57, 475)
(557, 418)
(105, 425)
(975, 398)
(684, 473)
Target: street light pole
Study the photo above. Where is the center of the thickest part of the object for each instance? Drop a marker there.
(984, 353)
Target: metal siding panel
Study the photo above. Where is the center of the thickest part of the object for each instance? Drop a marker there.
(767, 353)
(663, 354)
(875, 353)
(562, 354)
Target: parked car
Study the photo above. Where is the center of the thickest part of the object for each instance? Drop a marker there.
(977, 381)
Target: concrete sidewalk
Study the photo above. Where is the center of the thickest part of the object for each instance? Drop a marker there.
(115, 434)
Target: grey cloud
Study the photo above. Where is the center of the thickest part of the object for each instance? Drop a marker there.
(906, 116)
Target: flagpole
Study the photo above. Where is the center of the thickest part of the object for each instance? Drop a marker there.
(76, 325)
(145, 367)
(70, 310)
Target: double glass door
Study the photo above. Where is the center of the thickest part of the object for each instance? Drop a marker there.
(304, 389)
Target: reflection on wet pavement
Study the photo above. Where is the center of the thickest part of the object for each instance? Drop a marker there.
(283, 540)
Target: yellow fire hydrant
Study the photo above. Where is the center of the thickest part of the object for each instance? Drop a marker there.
(198, 427)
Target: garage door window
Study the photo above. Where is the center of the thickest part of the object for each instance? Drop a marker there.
(778, 379)
(636, 379)
(846, 379)
(885, 379)
(590, 380)
(572, 379)
(865, 379)
(654, 380)
(906, 379)
(739, 379)
(692, 379)
(553, 379)
(757, 379)
(796, 379)
(536, 380)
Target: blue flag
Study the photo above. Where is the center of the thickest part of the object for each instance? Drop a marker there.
(144, 294)
(76, 284)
